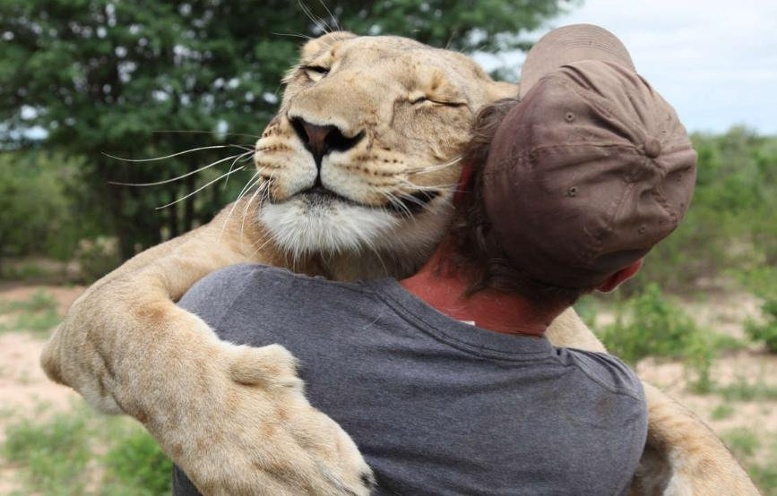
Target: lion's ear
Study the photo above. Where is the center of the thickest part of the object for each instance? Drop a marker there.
(324, 42)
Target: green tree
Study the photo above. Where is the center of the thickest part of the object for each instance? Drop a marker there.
(37, 205)
(112, 76)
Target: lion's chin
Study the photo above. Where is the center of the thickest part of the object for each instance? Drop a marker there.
(303, 228)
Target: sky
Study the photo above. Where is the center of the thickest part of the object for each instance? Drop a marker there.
(715, 61)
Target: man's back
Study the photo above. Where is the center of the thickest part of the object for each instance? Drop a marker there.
(435, 405)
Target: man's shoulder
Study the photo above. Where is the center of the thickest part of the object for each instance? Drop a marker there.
(223, 281)
(606, 371)
(234, 277)
(238, 272)
(219, 287)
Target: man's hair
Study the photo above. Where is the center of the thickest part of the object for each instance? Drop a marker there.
(476, 244)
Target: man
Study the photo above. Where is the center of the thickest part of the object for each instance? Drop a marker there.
(444, 380)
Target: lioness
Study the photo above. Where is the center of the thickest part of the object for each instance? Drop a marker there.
(355, 177)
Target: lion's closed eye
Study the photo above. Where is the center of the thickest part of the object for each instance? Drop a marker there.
(418, 98)
(315, 72)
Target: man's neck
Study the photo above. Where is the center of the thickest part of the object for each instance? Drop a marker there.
(445, 289)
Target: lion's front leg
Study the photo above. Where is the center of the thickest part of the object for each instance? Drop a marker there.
(235, 419)
(125, 312)
(683, 457)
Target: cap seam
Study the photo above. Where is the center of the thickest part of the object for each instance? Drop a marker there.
(603, 104)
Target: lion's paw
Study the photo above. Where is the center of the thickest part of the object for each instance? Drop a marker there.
(261, 436)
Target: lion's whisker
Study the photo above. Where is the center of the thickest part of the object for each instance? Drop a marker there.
(434, 168)
(332, 17)
(177, 154)
(261, 190)
(244, 157)
(301, 36)
(194, 131)
(400, 206)
(371, 246)
(201, 188)
(253, 181)
(263, 148)
(249, 184)
(320, 23)
(428, 187)
(190, 173)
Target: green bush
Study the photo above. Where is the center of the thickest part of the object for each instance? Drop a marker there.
(650, 324)
(137, 461)
(747, 390)
(765, 331)
(96, 257)
(43, 205)
(697, 249)
(763, 283)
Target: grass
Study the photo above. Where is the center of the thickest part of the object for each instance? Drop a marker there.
(38, 314)
(743, 390)
(758, 455)
(53, 455)
(743, 442)
(77, 452)
(136, 461)
(650, 324)
(722, 411)
(80, 453)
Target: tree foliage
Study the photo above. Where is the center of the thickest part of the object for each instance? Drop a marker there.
(142, 79)
(41, 198)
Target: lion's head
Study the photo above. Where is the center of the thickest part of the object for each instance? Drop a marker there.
(363, 155)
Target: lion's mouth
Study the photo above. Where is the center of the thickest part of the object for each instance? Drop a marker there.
(412, 203)
(404, 203)
(319, 196)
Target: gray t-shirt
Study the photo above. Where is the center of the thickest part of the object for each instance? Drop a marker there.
(438, 406)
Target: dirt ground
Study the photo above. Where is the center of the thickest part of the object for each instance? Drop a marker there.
(24, 387)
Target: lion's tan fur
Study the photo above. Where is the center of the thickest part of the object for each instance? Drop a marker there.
(234, 417)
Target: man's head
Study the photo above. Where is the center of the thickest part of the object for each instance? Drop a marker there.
(588, 172)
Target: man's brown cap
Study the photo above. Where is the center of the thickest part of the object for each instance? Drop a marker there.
(591, 169)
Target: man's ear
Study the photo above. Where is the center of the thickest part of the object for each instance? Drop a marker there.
(464, 185)
(619, 277)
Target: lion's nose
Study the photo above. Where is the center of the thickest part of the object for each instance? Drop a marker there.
(321, 140)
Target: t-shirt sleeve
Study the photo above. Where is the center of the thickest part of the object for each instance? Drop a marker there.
(627, 409)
